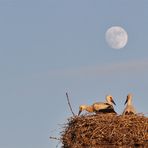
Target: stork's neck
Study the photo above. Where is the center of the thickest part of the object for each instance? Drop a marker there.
(129, 102)
(109, 102)
(89, 109)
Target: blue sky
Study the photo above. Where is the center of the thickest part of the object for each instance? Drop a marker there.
(51, 47)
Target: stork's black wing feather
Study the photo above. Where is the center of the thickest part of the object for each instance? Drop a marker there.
(109, 109)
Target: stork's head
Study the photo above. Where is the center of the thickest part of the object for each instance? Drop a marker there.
(81, 108)
(128, 99)
(110, 100)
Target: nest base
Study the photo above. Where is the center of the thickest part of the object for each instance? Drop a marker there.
(105, 131)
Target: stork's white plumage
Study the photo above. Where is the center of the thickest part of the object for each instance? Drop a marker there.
(100, 107)
(105, 107)
(129, 109)
(85, 107)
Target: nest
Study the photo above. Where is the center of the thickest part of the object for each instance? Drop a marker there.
(106, 130)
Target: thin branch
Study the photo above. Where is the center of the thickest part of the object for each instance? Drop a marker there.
(69, 104)
(54, 138)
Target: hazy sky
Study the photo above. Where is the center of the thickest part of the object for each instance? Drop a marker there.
(48, 47)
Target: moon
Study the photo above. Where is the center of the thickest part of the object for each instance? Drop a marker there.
(116, 37)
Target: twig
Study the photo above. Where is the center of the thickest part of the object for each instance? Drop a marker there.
(69, 104)
(54, 138)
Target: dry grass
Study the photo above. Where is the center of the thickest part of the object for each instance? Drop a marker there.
(105, 129)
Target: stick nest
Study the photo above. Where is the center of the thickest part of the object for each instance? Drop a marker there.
(105, 129)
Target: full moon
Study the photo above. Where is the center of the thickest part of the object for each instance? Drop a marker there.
(116, 37)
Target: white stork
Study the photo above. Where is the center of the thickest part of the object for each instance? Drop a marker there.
(100, 107)
(129, 109)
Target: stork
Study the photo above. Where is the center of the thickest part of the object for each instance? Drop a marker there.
(100, 107)
(129, 109)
